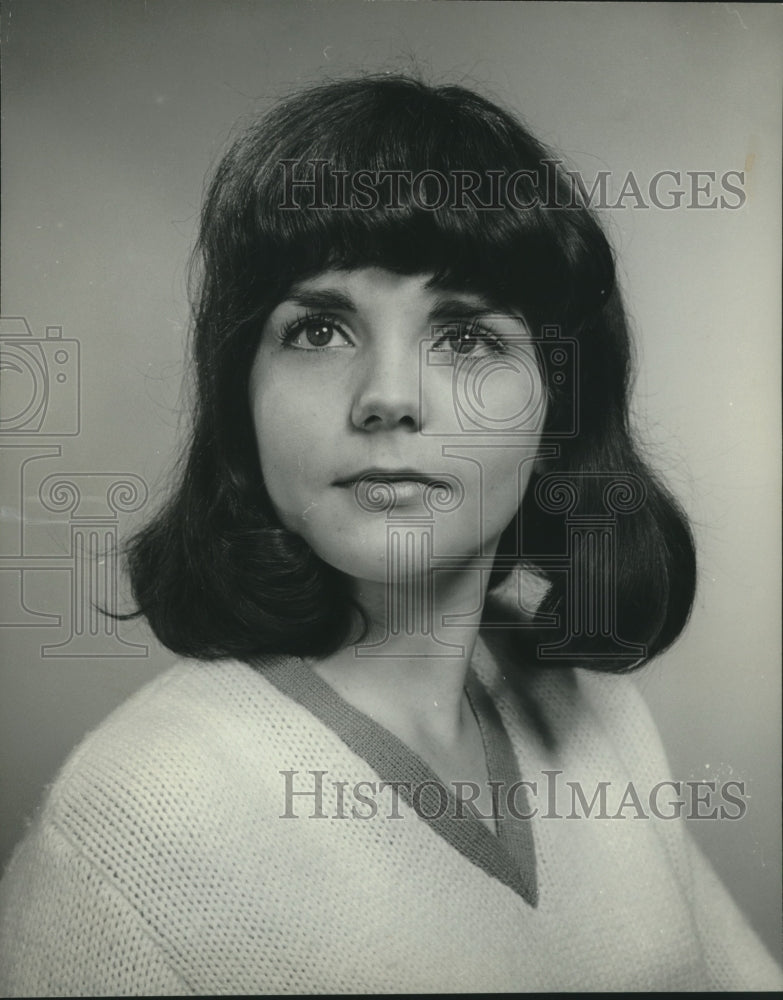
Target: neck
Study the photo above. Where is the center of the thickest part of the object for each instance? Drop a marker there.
(408, 673)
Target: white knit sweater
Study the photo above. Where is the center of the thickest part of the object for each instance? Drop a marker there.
(160, 863)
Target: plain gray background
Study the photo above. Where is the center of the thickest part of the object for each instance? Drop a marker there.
(113, 110)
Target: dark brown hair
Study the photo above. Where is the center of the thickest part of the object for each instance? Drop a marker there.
(215, 572)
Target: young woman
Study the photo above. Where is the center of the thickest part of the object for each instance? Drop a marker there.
(411, 544)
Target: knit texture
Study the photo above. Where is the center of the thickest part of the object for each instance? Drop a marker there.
(509, 856)
(160, 864)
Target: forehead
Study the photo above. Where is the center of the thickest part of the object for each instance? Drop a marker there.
(367, 284)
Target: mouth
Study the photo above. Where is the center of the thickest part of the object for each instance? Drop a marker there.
(389, 476)
(383, 489)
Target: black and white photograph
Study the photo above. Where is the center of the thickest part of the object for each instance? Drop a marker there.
(390, 429)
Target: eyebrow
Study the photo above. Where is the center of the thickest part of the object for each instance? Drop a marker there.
(444, 309)
(457, 308)
(326, 298)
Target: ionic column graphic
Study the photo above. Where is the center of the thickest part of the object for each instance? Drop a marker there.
(15, 560)
(409, 553)
(93, 502)
(410, 562)
(590, 563)
(479, 454)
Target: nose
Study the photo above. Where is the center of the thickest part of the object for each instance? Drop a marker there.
(387, 395)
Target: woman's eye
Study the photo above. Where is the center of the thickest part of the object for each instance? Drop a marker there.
(467, 338)
(315, 332)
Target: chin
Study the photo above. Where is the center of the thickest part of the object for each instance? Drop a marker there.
(372, 553)
(369, 560)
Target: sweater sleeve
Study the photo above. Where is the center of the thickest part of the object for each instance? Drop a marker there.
(65, 931)
(734, 956)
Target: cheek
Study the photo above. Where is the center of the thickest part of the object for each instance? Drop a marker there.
(500, 404)
(283, 422)
(296, 421)
(501, 394)
(506, 475)
(283, 430)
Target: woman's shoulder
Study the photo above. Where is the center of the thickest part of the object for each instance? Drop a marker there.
(575, 710)
(152, 805)
(187, 693)
(181, 742)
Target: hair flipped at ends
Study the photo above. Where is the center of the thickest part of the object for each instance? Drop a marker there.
(215, 573)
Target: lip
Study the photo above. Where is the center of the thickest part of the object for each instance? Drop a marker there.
(398, 487)
(388, 476)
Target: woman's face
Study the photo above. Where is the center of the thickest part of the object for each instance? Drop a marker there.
(382, 404)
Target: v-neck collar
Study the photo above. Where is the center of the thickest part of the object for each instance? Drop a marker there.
(509, 856)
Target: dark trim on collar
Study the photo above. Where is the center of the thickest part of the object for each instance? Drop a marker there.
(509, 856)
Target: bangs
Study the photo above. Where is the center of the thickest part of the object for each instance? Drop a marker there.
(418, 181)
